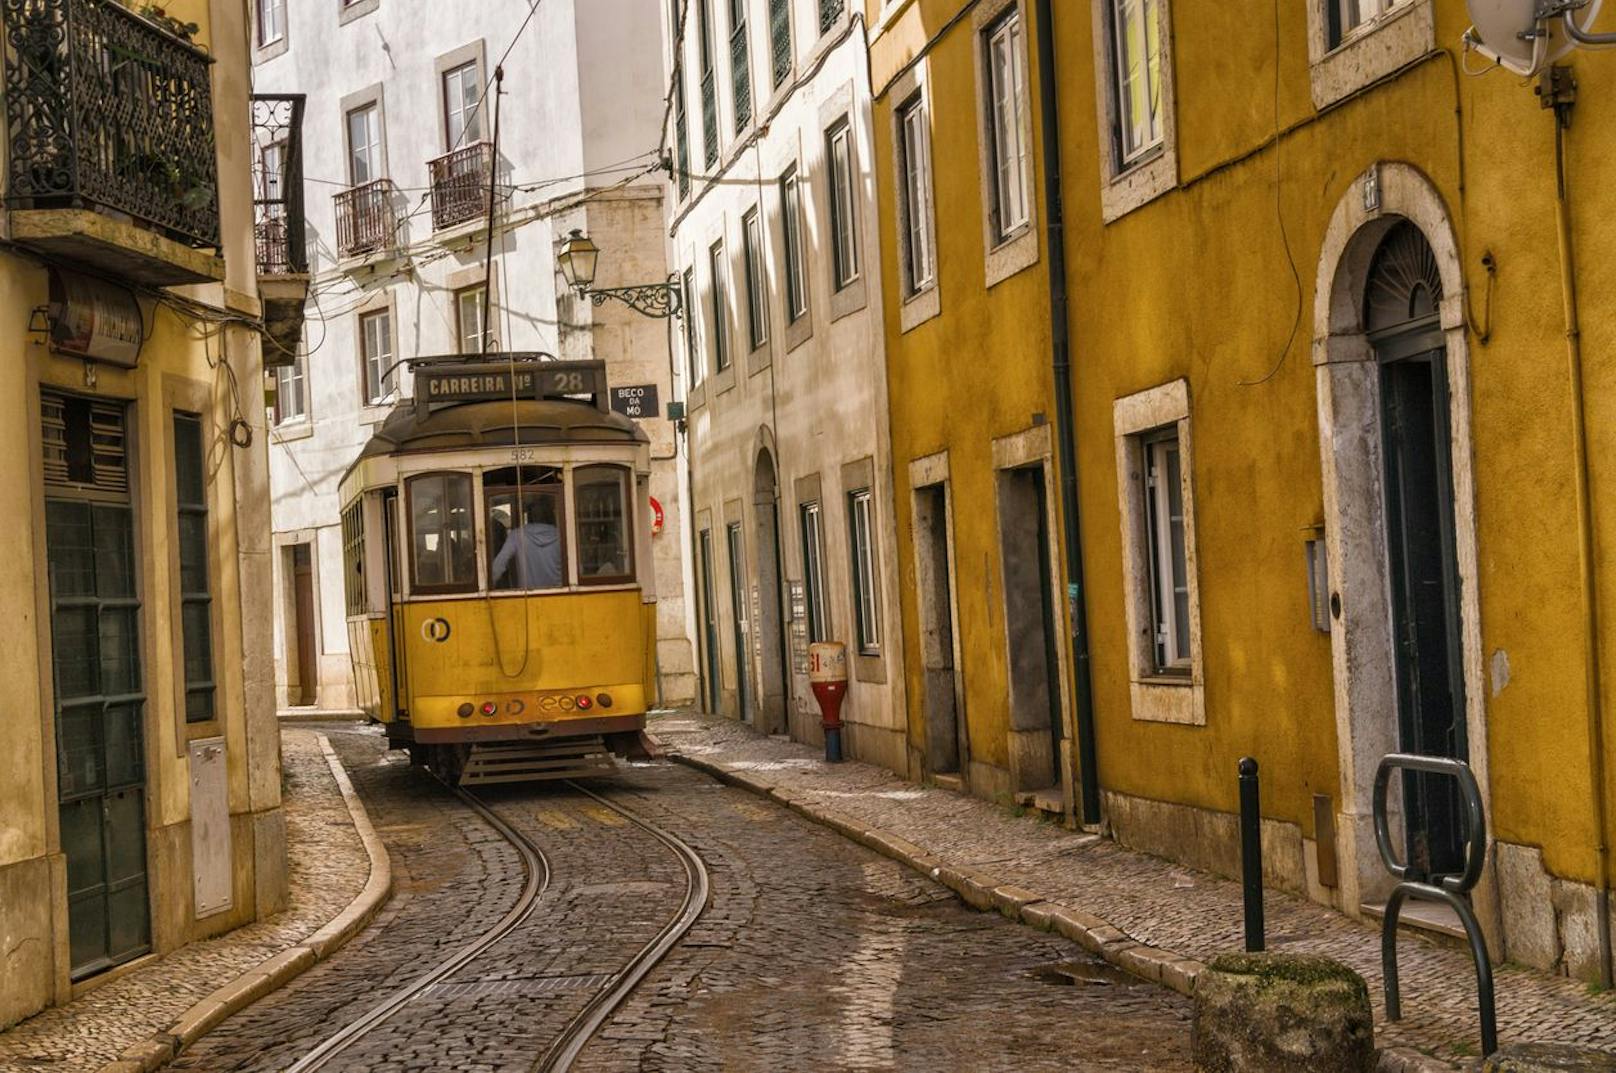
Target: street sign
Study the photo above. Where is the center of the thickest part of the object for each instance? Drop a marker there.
(636, 400)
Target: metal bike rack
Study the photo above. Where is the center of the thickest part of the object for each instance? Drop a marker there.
(1450, 889)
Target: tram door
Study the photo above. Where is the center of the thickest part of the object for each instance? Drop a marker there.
(99, 687)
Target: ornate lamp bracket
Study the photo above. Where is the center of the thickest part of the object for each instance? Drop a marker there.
(649, 299)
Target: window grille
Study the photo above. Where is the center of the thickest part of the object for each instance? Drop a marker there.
(84, 444)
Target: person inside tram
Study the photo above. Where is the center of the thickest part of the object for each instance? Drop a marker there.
(533, 549)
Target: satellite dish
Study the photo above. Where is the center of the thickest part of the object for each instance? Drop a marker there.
(1522, 35)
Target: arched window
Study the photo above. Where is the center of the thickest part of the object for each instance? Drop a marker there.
(1404, 288)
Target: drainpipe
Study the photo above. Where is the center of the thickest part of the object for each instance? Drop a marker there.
(1060, 345)
(1558, 91)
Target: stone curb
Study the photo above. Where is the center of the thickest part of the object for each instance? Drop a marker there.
(276, 972)
(986, 893)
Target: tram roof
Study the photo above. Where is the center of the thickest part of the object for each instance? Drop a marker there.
(500, 423)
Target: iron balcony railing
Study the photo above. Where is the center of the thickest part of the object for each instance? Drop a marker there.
(829, 12)
(709, 118)
(460, 184)
(106, 110)
(365, 218)
(780, 39)
(741, 70)
(279, 231)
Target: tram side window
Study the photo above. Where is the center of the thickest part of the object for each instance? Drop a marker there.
(442, 533)
(605, 543)
(353, 554)
(526, 543)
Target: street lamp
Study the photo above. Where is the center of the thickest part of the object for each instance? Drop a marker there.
(578, 259)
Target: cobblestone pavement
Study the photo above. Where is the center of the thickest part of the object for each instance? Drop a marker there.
(814, 953)
(327, 866)
(1159, 903)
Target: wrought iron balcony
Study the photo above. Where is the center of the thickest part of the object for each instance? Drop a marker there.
(279, 229)
(460, 184)
(107, 112)
(829, 12)
(740, 70)
(709, 118)
(366, 221)
(780, 38)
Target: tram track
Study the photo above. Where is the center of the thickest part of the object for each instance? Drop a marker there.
(569, 1043)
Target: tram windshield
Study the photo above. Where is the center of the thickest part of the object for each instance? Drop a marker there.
(444, 533)
(526, 535)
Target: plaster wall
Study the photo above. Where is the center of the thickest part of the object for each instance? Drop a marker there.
(811, 400)
(578, 129)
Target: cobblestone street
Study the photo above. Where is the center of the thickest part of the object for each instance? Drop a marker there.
(813, 952)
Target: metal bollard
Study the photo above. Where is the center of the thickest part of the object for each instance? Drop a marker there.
(1251, 853)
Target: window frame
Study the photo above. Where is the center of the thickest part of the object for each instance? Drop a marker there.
(915, 208)
(387, 376)
(471, 111)
(197, 508)
(1009, 27)
(1172, 653)
(695, 358)
(841, 178)
(448, 588)
(476, 290)
(757, 287)
(563, 523)
(375, 159)
(1343, 60)
(718, 302)
(296, 372)
(796, 289)
(1128, 182)
(866, 571)
(630, 516)
(263, 39)
(811, 530)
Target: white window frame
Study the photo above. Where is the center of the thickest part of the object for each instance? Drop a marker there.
(271, 19)
(470, 342)
(841, 169)
(1175, 693)
(1132, 175)
(1161, 468)
(861, 536)
(374, 360)
(796, 289)
(718, 301)
(1008, 245)
(915, 195)
(1393, 36)
(289, 379)
(1009, 126)
(370, 152)
(1136, 138)
(468, 112)
(811, 526)
(757, 284)
(693, 331)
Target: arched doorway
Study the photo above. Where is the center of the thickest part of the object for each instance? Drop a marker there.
(769, 636)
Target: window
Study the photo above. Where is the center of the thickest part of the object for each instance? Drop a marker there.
(914, 147)
(271, 21)
(470, 331)
(272, 161)
(1347, 16)
(376, 348)
(1164, 533)
(364, 144)
(757, 309)
(861, 526)
(527, 547)
(843, 225)
(780, 39)
(462, 92)
(715, 265)
(709, 92)
(442, 533)
(1136, 27)
(196, 598)
(791, 231)
(692, 333)
(813, 570)
(605, 541)
(291, 391)
(1007, 123)
(353, 558)
(829, 12)
(740, 67)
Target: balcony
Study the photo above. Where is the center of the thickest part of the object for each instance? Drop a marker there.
(460, 185)
(366, 221)
(110, 129)
(279, 224)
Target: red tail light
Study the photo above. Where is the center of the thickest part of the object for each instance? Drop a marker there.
(584, 702)
(489, 707)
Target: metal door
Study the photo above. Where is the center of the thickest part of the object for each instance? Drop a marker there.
(737, 593)
(308, 672)
(99, 741)
(709, 607)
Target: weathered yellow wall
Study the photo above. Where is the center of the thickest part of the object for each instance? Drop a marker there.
(1198, 284)
(978, 371)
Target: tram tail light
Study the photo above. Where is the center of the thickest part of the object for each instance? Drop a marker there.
(584, 703)
(465, 710)
(604, 700)
(489, 707)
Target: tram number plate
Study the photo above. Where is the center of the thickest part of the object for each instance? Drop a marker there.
(524, 454)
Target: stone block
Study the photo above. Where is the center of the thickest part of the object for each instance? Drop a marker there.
(1180, 975)
(1527, 896)
(1009, 899)
(1275, 1013)
(1040, 915)
(1549, 1058)
(977, 890)
(1575, 906)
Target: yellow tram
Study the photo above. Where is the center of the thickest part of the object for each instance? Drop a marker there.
(500, 598)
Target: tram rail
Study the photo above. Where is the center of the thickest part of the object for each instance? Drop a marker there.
(569, 1043)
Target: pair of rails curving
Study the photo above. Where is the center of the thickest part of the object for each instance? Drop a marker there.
(570, 1041)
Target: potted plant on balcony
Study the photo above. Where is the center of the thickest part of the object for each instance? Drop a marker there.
(159, 16)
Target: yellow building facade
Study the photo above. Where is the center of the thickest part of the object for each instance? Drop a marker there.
(1327, 433)
(140, 783)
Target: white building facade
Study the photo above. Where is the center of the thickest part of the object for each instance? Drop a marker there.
(398, 132)
(774, 236)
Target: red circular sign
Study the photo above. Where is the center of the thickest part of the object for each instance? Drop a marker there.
(656, 516)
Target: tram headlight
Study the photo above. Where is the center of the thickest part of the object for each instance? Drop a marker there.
(584, 702)
(604, 700)
(489, 707)
(465, 710)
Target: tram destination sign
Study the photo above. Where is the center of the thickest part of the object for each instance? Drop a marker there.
(489, 381)
(636, 400)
